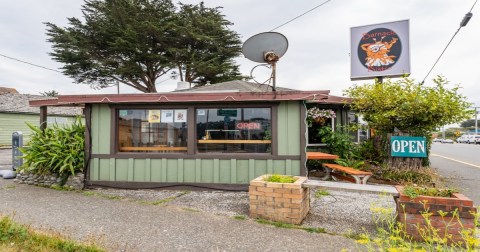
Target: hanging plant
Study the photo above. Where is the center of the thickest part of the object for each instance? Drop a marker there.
(319, 116)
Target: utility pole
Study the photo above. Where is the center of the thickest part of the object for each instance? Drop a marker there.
(476, 124)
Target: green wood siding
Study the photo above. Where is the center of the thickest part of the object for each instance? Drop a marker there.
(10, 122)
(101, 128)
(232, 171)
(288, 135)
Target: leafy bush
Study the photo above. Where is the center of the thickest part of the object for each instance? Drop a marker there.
(55, 150)
(422, 176)
(280, 178)
(415, 191)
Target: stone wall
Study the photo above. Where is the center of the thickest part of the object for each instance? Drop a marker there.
(410, 214)
(48, 180)
(284, 202)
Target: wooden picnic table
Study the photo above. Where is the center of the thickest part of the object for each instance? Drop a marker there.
(320, 156)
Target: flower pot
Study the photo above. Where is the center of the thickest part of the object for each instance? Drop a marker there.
(283, 202)
(458, 214)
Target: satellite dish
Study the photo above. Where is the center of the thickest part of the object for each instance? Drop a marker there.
(266, 47)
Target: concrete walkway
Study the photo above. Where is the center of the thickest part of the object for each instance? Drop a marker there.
(122, 225)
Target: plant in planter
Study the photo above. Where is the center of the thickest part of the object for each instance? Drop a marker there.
(319, 116)
(279, 198)
(436, 215)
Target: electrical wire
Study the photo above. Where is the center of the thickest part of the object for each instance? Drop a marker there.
(438, 59)
(28, 63)
(299, 16)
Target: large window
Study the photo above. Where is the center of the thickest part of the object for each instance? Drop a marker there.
(234, 130)
(152, 130)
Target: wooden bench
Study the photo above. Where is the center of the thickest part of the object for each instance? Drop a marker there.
(360, 177)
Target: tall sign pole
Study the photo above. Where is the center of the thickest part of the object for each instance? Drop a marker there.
(476, 124)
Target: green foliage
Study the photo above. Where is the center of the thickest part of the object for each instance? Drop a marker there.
(239, 217)
(55, 150)
(16, 237)
(415, 191)
(136, 42)
(280, 178)
(468, 123)
(410, 107)
(321, 193)
(422, 176)
(51, 93)
(338, 142)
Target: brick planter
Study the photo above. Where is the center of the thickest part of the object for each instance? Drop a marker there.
(284, 202)
(410, 210)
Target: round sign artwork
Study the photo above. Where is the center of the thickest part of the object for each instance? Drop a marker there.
(379, 49)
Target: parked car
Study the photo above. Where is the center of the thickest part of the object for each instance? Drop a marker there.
(477, 139)
(474, 140)
(435, 140)
(449, 141)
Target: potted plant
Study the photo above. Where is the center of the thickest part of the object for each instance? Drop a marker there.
(319, 116)
(435, 215)
(279, 198)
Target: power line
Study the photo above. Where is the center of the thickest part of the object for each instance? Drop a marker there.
(464, 22)
(28, 63)
(299, 16)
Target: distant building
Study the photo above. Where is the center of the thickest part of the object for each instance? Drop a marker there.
(15, 112)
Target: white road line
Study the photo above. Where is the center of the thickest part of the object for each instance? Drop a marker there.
(436, 155)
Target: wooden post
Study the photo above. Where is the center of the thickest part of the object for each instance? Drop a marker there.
(43, 118)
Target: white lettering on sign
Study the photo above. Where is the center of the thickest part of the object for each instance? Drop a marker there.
(411, 146)
(248, 125)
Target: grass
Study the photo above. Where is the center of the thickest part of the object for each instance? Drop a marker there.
(415, 191)
(240, 217)
(16, 237)
(280, 179)
(291, 226)
(321, 193)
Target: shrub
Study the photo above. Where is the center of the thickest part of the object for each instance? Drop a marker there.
(280, 178)
(57, 149)
(415, 191)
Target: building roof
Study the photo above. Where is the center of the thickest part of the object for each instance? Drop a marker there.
(4, 90)
(19, 103)
(234, 86)
(232, 91)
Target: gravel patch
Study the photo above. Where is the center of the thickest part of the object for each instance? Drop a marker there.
(338, 213)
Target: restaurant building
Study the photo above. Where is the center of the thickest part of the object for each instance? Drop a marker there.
(217, 136)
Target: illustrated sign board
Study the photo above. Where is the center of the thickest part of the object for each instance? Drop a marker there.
(402, 146)
(380, 50)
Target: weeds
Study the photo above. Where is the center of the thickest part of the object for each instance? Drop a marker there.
(240, 217)
(16, 237)
(280, 178)
(415, 191)
(291, 226)
(321, 193)
(392, 235)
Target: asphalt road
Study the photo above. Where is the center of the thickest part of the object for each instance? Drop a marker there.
(459, 164)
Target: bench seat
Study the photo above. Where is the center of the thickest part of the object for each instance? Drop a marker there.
(360, 177)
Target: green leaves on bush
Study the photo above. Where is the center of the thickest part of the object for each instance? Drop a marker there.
(280, 178)
(57, 149)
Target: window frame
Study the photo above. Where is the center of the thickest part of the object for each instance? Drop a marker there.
(192, 151)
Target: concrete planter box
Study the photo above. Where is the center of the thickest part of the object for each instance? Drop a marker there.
(284, 202)
(410, 214)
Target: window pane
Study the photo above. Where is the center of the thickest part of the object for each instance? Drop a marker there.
(154, 130)
(230, 130)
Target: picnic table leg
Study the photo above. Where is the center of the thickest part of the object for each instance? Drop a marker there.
(364, 179)
(327, 173)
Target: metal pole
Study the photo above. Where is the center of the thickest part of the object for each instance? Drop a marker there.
(274, 75)
(476, 124)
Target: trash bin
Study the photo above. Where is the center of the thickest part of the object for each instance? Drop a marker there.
(17, 142)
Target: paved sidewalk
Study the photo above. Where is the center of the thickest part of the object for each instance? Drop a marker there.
(123, 225)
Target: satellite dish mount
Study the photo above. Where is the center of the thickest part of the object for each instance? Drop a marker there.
(267, 47)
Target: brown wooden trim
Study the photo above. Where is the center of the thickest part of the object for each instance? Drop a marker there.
(191, 131)
(43, 118)
(153, 148)
(168, 186)
(88, 141)
(226, 156)
(114, 130)
(303, 140)
(274, 133)
(234, 141)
